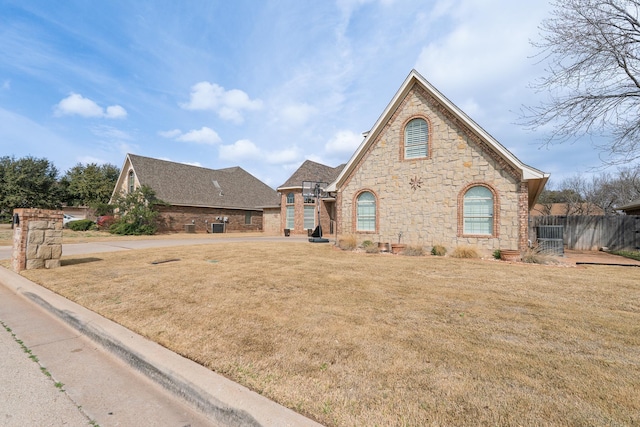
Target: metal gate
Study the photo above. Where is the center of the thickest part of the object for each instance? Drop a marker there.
(550, 239)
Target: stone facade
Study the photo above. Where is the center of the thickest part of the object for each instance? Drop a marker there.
(37, 239)
(421, 198)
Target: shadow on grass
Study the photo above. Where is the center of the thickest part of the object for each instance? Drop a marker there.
(77, 261)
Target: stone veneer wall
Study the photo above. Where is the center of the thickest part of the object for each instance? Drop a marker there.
(420, 197)
(37, 239)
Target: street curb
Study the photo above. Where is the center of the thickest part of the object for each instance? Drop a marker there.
(221, 399)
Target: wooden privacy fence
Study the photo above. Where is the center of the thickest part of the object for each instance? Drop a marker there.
(592, 232)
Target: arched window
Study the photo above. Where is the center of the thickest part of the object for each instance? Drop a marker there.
(416, 139)
(366, 212)
(478, 211)
(290, 211)
(132, 182)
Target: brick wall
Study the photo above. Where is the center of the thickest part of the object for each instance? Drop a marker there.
(174, 218)
(37, 239)
(326, 213)
(420, 197)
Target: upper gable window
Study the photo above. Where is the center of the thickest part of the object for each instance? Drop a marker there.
(416, 139)
(131, 182)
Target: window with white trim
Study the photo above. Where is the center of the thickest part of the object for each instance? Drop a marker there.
(309, 216)
(478, 211)
(366, 212)
(290, 212)
(416, 139)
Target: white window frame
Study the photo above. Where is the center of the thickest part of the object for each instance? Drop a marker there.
(478, 215)
(416, 139)
(309, 217)
(291, 220)
(366, 211)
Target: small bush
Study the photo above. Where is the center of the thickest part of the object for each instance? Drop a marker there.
(128, 229)
(536, 256)
(367, 243)
(81, 225)
(438, 250)
(497, 254)
(372, 249)
(465, 252)
(348, 242)
(413, 251)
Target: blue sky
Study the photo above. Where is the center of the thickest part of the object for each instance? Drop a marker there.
(261, 85)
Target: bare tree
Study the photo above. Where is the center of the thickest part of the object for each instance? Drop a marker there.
(592, 48)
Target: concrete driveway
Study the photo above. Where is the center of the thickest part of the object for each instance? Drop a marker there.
(124, 245)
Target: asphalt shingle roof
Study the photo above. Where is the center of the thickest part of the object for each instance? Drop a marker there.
(187, 185)
(312, 171)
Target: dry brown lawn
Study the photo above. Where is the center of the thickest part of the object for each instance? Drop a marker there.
(354, 339)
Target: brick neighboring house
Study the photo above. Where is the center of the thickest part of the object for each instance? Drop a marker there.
(632, 208)
(197, 195)
(299, 214)
(566, 209)
(428, 171)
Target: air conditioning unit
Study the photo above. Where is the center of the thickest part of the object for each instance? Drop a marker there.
(218, 227)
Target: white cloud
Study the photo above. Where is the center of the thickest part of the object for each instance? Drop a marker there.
(343, 142)
(296, 114)
(109, 132)
(204, 135)
(115, 112)
(6, 85)
(242, 149)
(76, 104)
(283, 157)
(229, 105)
(468, 55)
(173, 133)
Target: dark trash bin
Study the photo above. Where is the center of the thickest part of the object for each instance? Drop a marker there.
(287, 232)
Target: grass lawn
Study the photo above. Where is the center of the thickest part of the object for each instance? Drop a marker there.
(354, 339)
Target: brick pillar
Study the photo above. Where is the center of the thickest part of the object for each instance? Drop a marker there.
(523, 216)
(37, 239)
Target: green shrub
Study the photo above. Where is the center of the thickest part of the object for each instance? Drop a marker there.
(465, 252)
(413, 251)
(81, 225)
(497, 254)
(438, 250)
(367, 243)
(129, 229)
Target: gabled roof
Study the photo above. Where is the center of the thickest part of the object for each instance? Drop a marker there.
(311, 171)
(186, 185)
(536, 178)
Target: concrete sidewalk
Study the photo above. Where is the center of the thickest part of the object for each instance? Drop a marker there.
(111, 376)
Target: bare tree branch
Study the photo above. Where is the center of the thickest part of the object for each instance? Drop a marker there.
(592, 82)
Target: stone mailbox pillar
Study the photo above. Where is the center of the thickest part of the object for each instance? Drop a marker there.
(37, 239)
